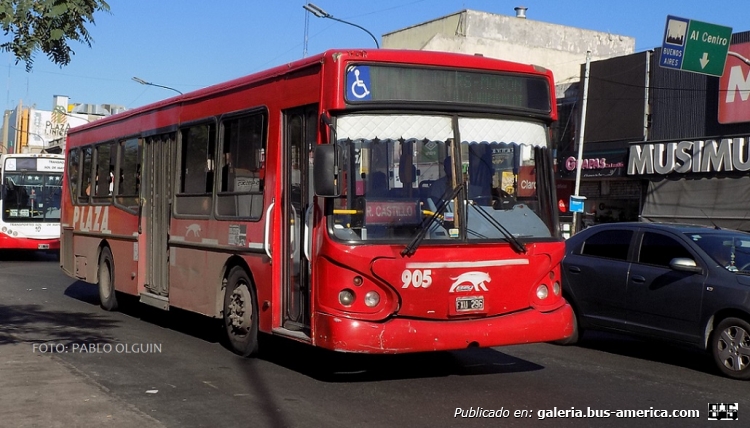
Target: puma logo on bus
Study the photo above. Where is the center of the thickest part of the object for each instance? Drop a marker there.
(470, 281)
(195, 229)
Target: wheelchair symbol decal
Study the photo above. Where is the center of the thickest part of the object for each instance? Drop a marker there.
(359, 79)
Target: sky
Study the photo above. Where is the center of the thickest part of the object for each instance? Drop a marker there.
(191, 44)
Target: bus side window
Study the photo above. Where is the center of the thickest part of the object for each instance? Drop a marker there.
(197, 169)
(73, 158)
(243, 150)
(85, 189)
(126, 192)
(104, 171)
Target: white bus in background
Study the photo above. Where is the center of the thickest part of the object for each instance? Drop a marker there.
(30, 201)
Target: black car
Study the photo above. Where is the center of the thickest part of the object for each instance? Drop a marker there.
(683, 283)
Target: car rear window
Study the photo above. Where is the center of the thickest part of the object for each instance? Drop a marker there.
(611, 244)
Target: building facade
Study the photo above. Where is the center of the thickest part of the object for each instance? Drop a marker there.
(559, 48)
(27, 129)
(673, 147)
(516, 38)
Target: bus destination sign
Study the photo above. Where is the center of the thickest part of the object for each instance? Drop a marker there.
(392, 213)
(369, 83)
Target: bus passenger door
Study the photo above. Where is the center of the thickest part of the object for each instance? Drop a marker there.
(156, 211)
(300, 126)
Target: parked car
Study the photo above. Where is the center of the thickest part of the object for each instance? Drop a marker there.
(675, 282)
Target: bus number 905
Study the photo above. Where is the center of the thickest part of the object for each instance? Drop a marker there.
(418, 278)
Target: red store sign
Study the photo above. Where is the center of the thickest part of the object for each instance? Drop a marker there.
(734, 86)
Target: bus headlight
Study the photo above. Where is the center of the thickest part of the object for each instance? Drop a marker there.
(556, 288)
(346, 297)
(372, 298)
(542, 292)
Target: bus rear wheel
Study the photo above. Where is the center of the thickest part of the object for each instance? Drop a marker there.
(107, 295)
(241, 313)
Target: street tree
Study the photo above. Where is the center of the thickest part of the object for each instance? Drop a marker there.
(47, 26)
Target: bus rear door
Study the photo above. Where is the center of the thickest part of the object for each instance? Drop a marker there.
(156, 191)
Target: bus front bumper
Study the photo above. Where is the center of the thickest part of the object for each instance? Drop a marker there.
(400, 335)
(9, 242)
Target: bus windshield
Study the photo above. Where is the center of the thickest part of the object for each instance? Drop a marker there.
(30, 197)
(400, 169)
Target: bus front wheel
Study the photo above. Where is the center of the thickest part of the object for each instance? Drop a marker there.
(107, 294)
(241, 313)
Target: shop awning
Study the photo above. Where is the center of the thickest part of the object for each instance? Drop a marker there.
(714, 201)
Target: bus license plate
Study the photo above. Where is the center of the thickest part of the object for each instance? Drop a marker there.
(465, 304)
(43, 247)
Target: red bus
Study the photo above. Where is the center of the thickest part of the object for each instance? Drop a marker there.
(369, 201)
(30, 203)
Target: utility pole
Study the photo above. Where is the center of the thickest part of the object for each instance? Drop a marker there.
(579, 160)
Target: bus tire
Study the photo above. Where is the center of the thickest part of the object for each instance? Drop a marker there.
(241, 313)
(107, 294)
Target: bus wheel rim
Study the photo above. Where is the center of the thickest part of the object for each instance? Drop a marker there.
(240, 310)
(104, 281)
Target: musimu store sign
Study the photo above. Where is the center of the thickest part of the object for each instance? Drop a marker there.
(682, 157)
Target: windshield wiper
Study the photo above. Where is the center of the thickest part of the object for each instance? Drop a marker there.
(514, 242)
(410, 249)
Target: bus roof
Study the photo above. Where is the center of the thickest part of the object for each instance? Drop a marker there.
(32, 155)
(415, 57)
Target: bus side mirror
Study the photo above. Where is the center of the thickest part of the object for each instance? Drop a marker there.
(327, 176)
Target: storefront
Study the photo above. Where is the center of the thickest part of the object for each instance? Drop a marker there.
(701, 181)
(611, 195)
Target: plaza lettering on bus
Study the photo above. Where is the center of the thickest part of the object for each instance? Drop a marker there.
(91, 218)
(390, 212)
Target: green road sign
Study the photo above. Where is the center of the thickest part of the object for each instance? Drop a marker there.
(706, 48)
(695, 46)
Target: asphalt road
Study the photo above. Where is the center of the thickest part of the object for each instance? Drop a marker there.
(169, 369)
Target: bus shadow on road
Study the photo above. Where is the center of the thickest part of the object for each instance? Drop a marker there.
(32, 323)
(329, 366)
(184, 322)
(84, 292)
(23, 256)
(317, 363)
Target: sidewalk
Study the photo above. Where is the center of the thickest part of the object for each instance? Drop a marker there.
(41, 390)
